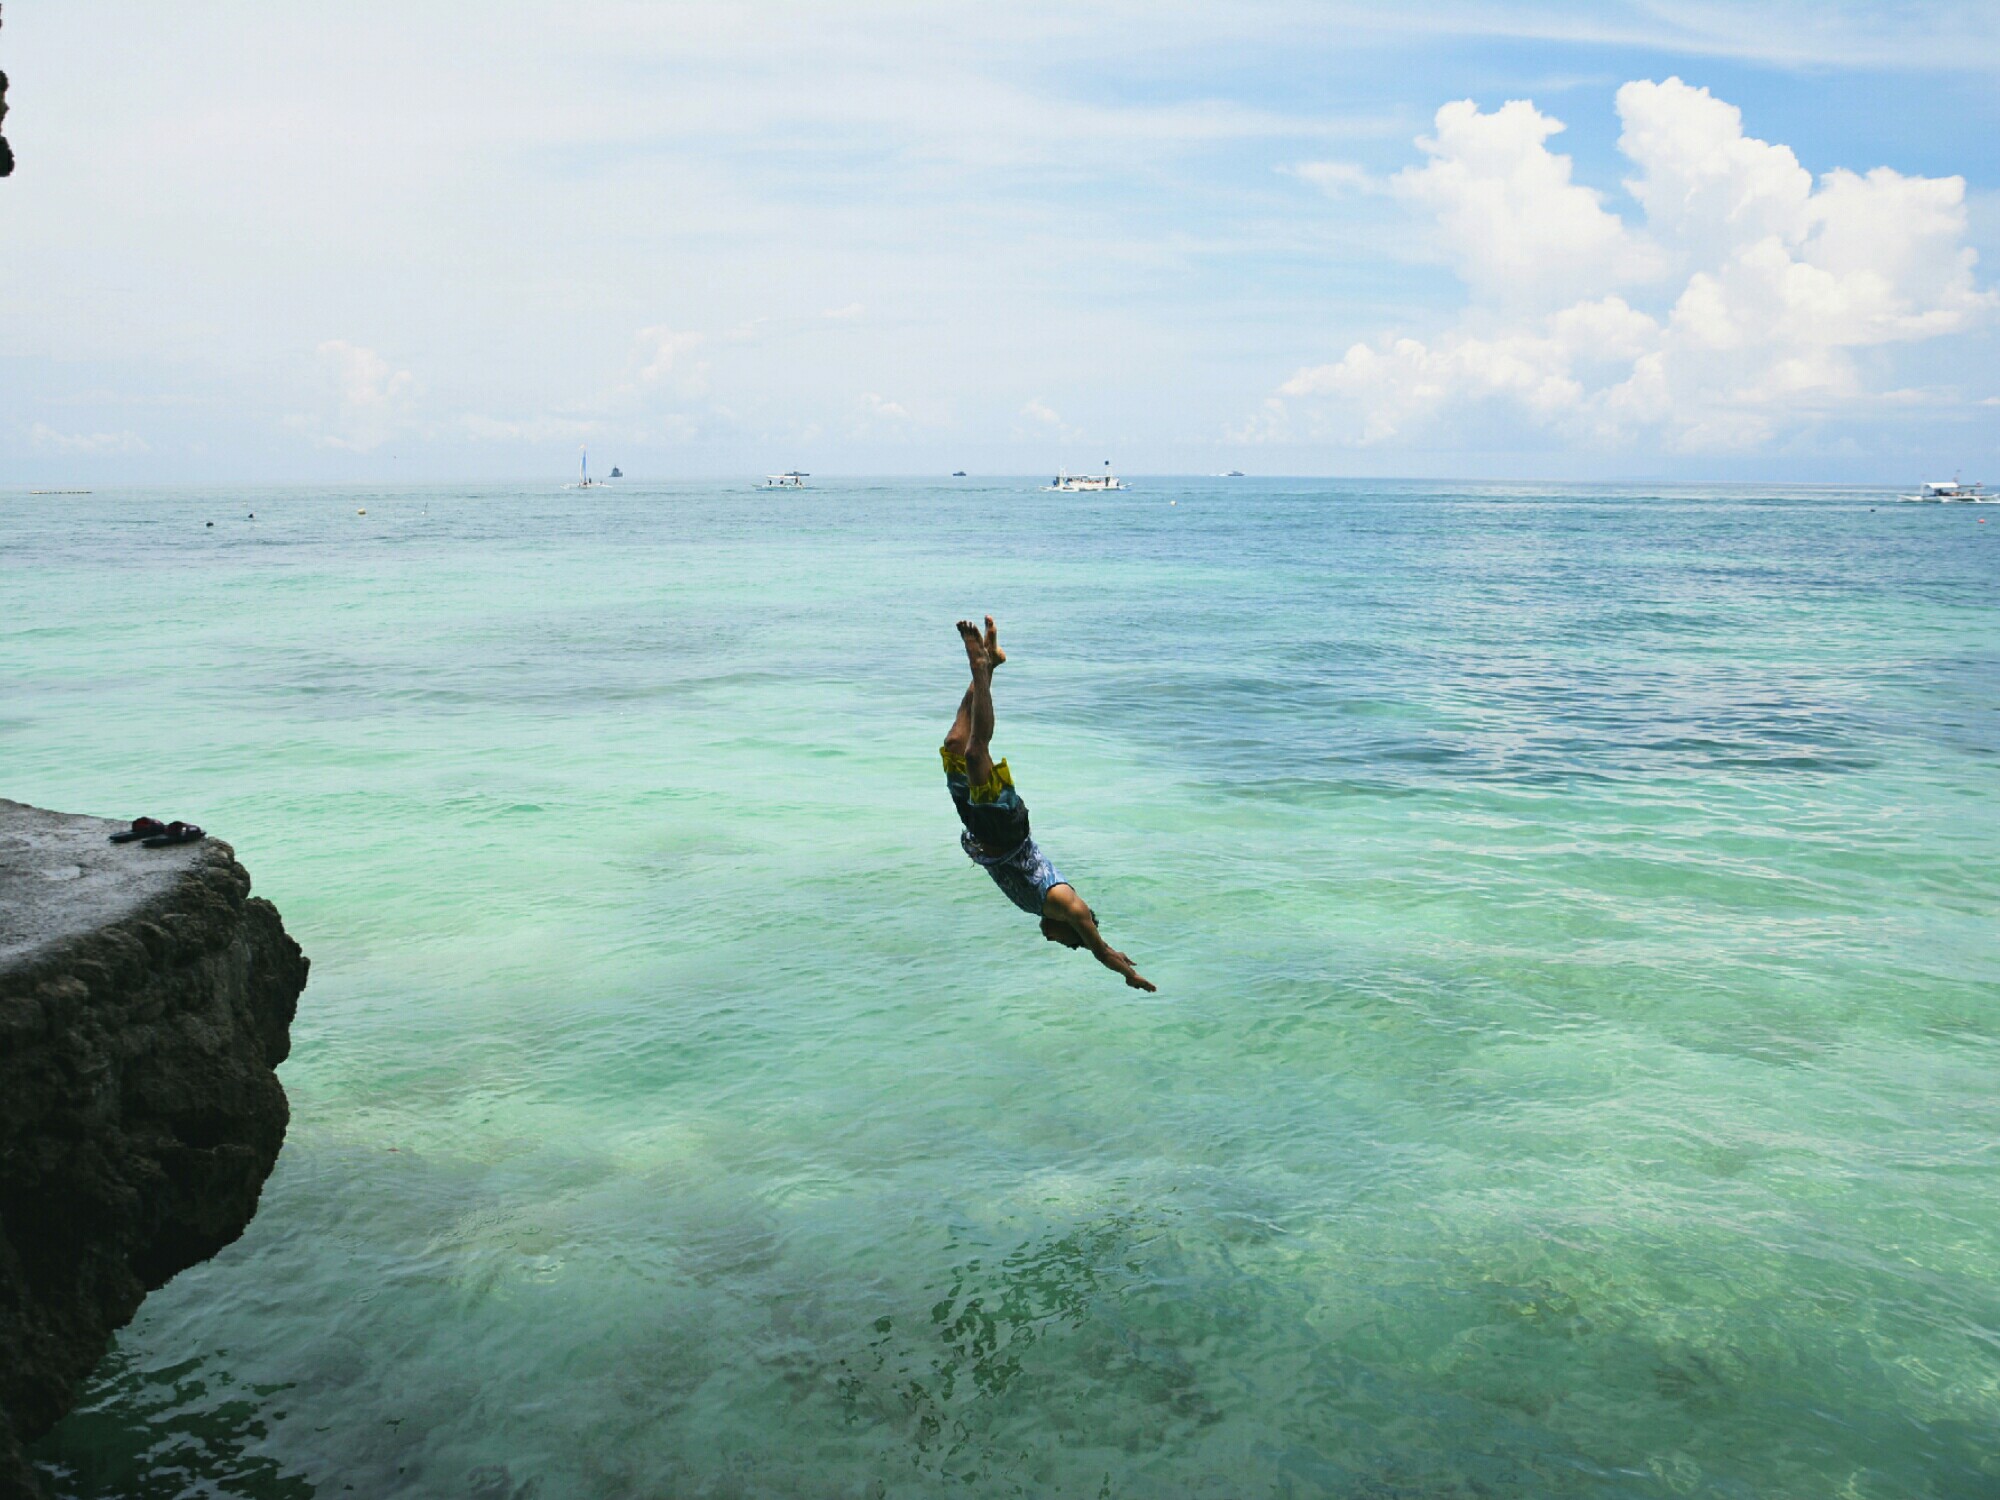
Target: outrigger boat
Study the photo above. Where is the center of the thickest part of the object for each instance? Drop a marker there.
(791, 479)
(1075, 482)
(1945, 491)
(584, 481)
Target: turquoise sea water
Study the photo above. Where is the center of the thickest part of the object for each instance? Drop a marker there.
(1575, 1072)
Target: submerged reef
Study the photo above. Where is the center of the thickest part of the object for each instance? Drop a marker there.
(145, 1000)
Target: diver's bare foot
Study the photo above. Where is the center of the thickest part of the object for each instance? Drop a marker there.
(993, 652)
(975, 648)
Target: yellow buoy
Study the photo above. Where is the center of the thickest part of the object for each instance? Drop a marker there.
(361, 512)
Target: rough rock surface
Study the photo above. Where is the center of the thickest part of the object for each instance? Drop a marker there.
(145, 998)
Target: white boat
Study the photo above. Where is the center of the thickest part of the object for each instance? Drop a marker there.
(1946, 490)
(584, 481)
(791, 479)
(1075, 482)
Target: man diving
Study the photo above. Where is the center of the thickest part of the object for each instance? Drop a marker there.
(996, 820)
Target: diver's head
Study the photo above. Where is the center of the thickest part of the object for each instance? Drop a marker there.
(1056, 930)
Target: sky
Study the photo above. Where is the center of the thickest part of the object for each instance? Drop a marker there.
(1754, 242)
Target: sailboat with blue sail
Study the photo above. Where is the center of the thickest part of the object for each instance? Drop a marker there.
(584, 481)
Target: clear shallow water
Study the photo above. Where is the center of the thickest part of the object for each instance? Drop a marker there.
(1574, 1071)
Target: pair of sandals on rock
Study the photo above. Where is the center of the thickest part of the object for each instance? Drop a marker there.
(153, 834)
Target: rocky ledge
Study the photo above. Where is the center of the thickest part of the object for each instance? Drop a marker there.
(145, 999)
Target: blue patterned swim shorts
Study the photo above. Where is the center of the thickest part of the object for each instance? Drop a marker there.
(1026, 876)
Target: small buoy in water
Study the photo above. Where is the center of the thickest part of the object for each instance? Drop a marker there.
(1173, 502)
(253, 515)
(361, 512)
(208, 523)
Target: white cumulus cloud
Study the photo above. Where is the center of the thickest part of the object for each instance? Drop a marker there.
(1509, 218)
(661, 357)
(1733, 306)
(539, 429)
(1046, 422)
(45, 437)
(881, 407)
(371, 397)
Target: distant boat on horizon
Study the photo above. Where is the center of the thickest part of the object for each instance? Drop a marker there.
(1946, 491)
(616, 472)
(584, 481)
(958, 473)
(1233, 474)
(1074, 483)
(791, 479)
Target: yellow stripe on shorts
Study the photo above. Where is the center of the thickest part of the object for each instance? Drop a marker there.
(988, 790)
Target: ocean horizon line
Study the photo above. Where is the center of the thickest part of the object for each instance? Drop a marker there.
(832, 476)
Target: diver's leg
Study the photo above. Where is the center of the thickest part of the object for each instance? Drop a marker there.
(978, 759)
(961, 727)
(960, 734)
(978, 754)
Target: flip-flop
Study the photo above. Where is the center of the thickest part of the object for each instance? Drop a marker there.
(175, 832)
(141, 828)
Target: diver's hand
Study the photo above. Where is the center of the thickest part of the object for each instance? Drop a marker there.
(1133, 978)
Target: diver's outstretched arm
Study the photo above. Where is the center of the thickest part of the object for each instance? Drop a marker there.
(1065, 905)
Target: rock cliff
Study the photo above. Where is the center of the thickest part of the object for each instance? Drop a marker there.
(145, 999)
